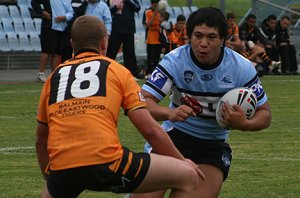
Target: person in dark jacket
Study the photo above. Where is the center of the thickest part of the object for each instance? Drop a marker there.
(79, 8)
(122, 34)
(287, 50)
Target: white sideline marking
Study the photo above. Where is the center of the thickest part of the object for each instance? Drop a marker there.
(266, 159)
(13, 92)
(8, 149)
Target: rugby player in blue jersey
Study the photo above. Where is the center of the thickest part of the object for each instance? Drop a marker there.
(195, 76)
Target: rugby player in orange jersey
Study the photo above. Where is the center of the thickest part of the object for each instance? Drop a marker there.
(77, 141)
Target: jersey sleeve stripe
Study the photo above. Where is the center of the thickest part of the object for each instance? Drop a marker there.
(165, 72)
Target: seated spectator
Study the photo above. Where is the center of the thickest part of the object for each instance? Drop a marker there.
(233, 41)
(287, 50)
(249, 34)
(257, 55)
(179, 30)
(248, 31)
(267, 38)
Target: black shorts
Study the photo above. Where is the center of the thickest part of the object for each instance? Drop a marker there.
(215, 152)
(51, 41)
(71, 182)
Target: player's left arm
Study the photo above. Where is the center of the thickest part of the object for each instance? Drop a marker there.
(236, 118)
(41, 146)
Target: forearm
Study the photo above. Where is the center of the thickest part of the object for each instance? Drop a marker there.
(159, 113)
(42, 157)
(260, 120)
(153, 133)
(162, 144)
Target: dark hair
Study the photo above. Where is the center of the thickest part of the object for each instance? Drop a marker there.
(210, 16)
(285, 17)
(165, 16)
(271, 17)
(230, 15)
(251, 16)
(154, 1)
(181, 18)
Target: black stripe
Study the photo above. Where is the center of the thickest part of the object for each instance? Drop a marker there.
(155, 88)
(165, 71)
(201, 93)
(251, 81)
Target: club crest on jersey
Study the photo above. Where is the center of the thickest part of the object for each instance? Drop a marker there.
(158, 78)
(188, 76)
(257, 88)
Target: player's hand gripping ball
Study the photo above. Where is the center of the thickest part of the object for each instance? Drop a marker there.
(162, 6)
(244, 97)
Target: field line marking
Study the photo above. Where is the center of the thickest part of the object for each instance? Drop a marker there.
(13, 92)
(266, 159)
(7, 149)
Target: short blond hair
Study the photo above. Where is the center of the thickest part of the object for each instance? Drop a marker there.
(87, 32)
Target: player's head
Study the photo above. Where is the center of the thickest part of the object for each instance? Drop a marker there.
(180, 22)
(89, 33)
(251, 20)
(211, 17)
(154, 1)
(285, 22)
(230, 19)
(207, 30)
(271, 21)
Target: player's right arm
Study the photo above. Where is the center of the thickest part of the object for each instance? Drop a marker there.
(162, 113)
(157, 137)
(41, 146)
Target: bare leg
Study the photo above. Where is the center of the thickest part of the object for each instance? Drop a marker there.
(211, 187)
(167, 172)
(43, 62)
(45, 193)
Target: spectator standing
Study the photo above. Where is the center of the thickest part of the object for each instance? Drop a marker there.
(167, 37)
(55, 14)
(122, 34)
(197, 76)
(100, 10)
(77, 141)
(79, 8)
(152, 23)
(287, 50)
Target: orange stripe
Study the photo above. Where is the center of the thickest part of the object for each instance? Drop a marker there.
(139, 169)
(128, 164)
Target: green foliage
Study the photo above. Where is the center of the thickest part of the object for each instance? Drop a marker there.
(265, 164)
(239, 7)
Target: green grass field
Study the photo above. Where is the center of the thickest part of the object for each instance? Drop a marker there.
(265, 164)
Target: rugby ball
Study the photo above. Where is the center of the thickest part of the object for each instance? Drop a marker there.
(162, 6)
(244, 97)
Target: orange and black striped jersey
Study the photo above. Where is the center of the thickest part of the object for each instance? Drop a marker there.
(152, 32)
(181, 36)
(234, 30)
(80, 102)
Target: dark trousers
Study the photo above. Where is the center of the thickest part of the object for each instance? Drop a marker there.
(114, 44)
(153, 55)
(288, 58)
